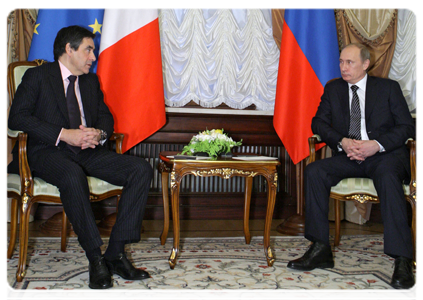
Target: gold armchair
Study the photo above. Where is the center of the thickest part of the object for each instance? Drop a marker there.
(25, 190)
(362, 190)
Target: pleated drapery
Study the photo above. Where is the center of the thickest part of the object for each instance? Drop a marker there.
(20, 27)
(214, 56)
(228, 72)
(403, 66)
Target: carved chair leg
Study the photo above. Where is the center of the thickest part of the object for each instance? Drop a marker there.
(64, 232)
(13, 227)
(337, 222)
(413, 227)
(23, 238)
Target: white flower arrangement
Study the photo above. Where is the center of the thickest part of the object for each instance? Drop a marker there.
(213, 142)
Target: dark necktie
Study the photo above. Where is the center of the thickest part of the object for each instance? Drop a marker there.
(355, 117)
(73, 108)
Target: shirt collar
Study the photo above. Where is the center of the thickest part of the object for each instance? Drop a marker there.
(65, 71)
(361, 84)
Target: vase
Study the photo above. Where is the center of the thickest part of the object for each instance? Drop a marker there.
(201, 154)
(226, 155)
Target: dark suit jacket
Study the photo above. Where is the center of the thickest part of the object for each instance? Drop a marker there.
(39, 109)
(388, 119)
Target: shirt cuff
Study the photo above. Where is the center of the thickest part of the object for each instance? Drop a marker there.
(58, 138)
(381, 148)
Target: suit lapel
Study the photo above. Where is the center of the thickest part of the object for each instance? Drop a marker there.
(56, 84)
(345, 105)
(85, 96)
(371, 97)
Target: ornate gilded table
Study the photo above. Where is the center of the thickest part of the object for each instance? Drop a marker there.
(224, 168)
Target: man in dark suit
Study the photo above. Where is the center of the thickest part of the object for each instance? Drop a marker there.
(366, 122)
(60, 105)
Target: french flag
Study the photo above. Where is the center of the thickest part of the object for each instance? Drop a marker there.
(130, 72)
(309, 58)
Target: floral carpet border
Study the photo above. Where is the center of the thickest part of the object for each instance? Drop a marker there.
(212, 263)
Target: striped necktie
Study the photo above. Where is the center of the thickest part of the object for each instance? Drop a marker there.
(355, 117)
(73, 108)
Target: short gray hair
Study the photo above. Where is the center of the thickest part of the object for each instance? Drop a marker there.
(364, 52)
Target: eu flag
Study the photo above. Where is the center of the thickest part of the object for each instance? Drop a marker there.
(50, 21)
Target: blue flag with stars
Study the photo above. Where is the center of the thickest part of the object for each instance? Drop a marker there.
(50, 21)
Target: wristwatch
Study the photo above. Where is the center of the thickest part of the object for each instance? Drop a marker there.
(103, 136)
(339, 145)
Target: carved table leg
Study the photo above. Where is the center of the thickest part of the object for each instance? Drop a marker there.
(175, 216)
(165, 181)
(271, 195)
(248, 188)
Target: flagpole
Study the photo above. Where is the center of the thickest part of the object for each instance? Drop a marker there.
(294, 225)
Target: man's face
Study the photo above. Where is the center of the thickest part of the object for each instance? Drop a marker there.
(82, 58)
(353, 69)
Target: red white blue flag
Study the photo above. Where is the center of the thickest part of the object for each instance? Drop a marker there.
(309, 57)
(130, 72)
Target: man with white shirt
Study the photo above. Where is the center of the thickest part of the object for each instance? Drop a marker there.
(60, 106)
(365, 121)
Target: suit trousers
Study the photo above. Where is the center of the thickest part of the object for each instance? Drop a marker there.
(387, 173)
(68, 171)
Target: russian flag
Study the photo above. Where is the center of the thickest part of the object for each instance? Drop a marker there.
(130, 72)
(309, 58)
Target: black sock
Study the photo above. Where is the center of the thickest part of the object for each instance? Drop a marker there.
(92, 254)
(114, 249)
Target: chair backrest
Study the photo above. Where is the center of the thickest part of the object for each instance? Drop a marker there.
(15, 72)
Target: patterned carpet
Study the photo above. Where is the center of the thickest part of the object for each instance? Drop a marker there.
(213, 264)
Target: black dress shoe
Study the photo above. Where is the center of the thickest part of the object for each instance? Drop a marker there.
(403, 277)
(122, 266)
(318, 255)
(100, 277)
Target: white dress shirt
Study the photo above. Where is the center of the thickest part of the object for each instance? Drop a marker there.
(65, 74)
(361, 93)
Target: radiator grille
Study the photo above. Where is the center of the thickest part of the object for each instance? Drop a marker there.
(196, 184)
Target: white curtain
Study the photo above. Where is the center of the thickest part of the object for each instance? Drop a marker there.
(403, 67)
(214, 56)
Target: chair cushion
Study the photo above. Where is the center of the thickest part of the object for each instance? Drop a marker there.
(18, 73)
(349, 186)
(41, 187)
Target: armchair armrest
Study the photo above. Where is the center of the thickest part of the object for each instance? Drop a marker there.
(411, 144)
(118, 139)
(13, 133)
(27, 184)
(312, 142)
